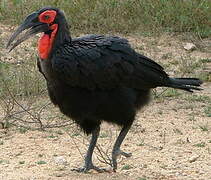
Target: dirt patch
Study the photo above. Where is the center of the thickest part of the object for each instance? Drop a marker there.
(170, 138)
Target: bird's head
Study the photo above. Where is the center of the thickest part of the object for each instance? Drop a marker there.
(46, 20)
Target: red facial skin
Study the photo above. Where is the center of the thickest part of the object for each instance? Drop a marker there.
(45, 42)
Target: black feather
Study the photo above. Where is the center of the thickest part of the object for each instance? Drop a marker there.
(101, 66)
(98, 78)
(187, 84)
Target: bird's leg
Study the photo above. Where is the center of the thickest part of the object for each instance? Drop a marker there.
(116, 149)
(88, 158)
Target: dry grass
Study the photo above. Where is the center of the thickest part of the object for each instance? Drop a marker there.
(169, 140)
(123, 16)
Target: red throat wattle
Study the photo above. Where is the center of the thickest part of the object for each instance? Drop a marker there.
(46, 41)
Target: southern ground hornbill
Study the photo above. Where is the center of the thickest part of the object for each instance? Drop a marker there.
(94, 78)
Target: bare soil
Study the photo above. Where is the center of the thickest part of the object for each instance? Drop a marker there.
(170, 138)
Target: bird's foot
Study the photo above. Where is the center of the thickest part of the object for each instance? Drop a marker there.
(115, 154)
(124, 154)
(86, 169)
(118, 152)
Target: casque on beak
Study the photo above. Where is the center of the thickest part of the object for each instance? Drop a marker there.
(31, 24)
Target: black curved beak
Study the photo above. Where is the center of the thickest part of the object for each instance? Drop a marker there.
(31, 24)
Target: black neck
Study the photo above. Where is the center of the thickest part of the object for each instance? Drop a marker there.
(62, 35)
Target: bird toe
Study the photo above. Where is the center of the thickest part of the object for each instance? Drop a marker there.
(86, 169)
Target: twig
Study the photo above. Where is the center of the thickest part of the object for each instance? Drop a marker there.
(12, 96)
(105, 161)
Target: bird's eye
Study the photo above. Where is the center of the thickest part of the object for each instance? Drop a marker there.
(46, 17)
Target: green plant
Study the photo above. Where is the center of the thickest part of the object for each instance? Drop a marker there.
(207, 111)
(41, 162)
(178, 131)
(126, 167)
(52, 136)
(202, 144)
(2, 161)
(204, 127)
(21, 162)
(103, 135)
(75, 134)
(22, 130)
(171, 93)
(206, 60)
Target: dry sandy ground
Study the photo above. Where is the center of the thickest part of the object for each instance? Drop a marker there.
(170, 138)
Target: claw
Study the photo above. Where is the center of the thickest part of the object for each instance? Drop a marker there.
(127, 155)
(86, 169)
(115, 154)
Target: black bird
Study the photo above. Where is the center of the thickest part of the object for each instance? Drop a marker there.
(94, 78)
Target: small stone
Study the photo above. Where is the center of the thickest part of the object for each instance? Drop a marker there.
(193, 158)
(60, 160)
(189, 46)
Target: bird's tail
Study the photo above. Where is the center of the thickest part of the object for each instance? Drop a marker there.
(187, 84)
